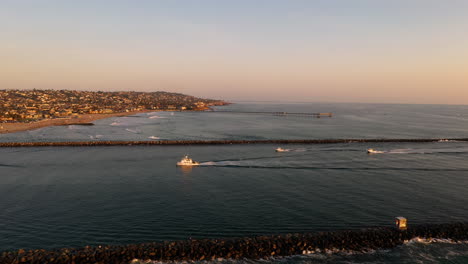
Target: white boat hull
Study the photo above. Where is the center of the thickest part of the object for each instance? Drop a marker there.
(186, 161)
(372, 151)
(281, 150)
(187, 164)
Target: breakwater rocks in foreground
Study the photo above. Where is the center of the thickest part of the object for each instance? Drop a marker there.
(236, 248)
(216, 142)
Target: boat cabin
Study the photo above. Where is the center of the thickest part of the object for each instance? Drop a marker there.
(400, 222)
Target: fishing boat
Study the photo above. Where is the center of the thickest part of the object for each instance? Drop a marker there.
(373, 151)
(186, 161)
(281, 150)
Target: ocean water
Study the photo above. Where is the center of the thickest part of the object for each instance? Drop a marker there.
(53, 197)
(349, 121)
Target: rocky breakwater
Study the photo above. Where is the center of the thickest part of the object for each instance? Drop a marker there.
(236, 248)
(215, 142)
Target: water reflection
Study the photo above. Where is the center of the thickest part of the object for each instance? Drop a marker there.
(186, 170)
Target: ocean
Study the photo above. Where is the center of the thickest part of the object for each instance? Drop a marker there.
(54, 197)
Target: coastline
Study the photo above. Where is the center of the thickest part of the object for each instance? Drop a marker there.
(6, 128)
(85, 119)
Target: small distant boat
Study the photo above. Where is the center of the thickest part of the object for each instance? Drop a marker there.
(281, 150)
(373, 151)
(186, 161)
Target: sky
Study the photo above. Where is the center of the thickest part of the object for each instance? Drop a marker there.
(398, 51)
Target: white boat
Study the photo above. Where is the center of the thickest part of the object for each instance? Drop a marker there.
(373, 151)
(186, 161)
(281, 150)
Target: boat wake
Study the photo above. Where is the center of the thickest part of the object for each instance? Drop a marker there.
(226, 163)
(11, 166)
(250, 165)
(428, 151)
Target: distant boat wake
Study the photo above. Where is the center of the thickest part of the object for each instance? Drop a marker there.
(423, 151)
(11, 166)
(240, 164)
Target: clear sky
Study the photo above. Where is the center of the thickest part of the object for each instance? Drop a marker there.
(397, 51)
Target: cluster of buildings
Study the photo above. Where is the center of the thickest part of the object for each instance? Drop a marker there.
(33, 105)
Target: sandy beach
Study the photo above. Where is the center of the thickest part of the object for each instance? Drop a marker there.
(82, 119)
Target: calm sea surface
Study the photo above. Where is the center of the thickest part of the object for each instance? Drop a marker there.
(76, 196)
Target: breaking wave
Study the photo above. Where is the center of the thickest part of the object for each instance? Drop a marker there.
(135, 131)
(117, 124)
(423, 240)
(417, 250)
(448, 140)
(155, 116)
(96, 137)
(75, 127)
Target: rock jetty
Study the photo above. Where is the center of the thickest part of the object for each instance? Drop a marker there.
(362, 240)
(215, 142)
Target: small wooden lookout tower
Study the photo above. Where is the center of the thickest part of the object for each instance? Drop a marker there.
(400, 222)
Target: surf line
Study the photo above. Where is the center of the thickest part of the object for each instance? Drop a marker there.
(221, 142)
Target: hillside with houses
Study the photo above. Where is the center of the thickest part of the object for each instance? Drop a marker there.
(34, 105)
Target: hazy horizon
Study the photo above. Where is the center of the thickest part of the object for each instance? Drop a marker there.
(290, 51)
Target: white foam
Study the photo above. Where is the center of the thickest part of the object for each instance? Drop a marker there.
(400, 151)
(220, 163)
(428, 151)
(95, 137)
(423, 240)
(135, 131)
(299, 150)
(155, 116)
(154, 137)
